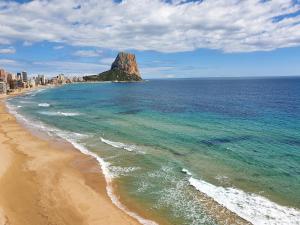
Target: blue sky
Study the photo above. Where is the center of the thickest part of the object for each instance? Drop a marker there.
(208, 38)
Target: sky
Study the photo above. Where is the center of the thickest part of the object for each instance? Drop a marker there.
(171, 38)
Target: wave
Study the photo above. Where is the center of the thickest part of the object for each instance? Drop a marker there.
(109, 178)
(252, 207)
(58, 113)
(118, 171)
(34, 92)
(69, 136)
(44, 105)
(121, 145)
(186, 171)
(36, 124)
(26, 102)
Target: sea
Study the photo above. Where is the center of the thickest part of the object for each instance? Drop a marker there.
(184, 151)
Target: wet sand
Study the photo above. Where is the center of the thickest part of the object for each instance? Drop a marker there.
(46, 183)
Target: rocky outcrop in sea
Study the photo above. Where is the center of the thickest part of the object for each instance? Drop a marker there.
(124, 68)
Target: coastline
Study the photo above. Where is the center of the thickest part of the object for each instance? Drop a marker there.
(46, 183)
(216, 201)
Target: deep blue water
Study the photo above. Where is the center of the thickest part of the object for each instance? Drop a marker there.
(236, 133)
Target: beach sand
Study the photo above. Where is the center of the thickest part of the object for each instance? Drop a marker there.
(45, 183)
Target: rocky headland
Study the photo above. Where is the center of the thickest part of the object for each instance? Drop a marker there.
(124, 68)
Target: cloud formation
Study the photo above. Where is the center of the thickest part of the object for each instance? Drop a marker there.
(9, 50)
(58, 47)
(8, 62)
(164, 26)
(87, 53)
(68, 67)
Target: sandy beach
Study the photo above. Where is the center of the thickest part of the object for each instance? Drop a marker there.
(46, 183)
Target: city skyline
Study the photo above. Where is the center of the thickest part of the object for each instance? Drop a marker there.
(171, 39)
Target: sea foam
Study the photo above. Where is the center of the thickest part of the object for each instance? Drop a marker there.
(252, 207)
(109, 178)
(44, 105)
(186, 171)
(58, 113)
(69, 136)
(120, 145)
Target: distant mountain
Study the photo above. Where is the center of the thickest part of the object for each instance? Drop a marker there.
(124, 68)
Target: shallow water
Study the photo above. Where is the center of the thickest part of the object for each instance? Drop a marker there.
(238, 141)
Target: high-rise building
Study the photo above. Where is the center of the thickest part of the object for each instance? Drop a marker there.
(11, 76)
(24, 76)
(61, 79)
(41, 79)
(3, 75)
(19, 77)
(3, 87)
(31, 82)
(11, 79)
(13, 84)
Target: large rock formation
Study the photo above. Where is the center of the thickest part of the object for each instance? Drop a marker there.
(124, 68)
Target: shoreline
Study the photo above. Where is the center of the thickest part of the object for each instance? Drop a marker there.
(42, 182)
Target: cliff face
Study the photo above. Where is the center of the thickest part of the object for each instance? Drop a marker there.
(124, 68)
(126, 62)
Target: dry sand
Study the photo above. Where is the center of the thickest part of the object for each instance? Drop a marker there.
(42, 183)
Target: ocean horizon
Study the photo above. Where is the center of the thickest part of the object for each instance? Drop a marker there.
(184, 151)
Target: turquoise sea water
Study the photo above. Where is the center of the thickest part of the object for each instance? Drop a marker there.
(186, 151)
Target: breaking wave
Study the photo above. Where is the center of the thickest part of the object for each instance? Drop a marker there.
(44, 105)
(252, 207)
(73, 139)
(120, 145)
(58, 113)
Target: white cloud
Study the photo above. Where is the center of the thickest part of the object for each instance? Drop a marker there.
(58, 47)
(231, 26)
(67, 67)
(107, 61)
(27, 43)
(9, 50)
(169, 76)
(8, 62)
(87, 53)
(4, 41)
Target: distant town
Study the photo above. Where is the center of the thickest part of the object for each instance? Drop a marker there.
(123, 69)
(10, 82)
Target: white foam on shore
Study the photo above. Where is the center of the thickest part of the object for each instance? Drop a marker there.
(68, 136)
(109, 178)
(252, 207)
(36, 124)
(120, 145)
(44, 105)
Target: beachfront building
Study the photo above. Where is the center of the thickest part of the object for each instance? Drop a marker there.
(3, 75)
(10, 76)
(41, 80)
(19, 77)
(61, 79)
(22, 80)
(9, 81)
(3, 87)
(24, 76)
(13, 84)
(31, 82)
(54, 81)
(77, 79)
